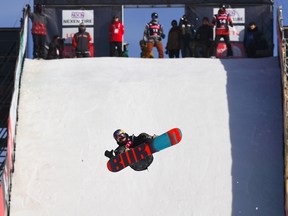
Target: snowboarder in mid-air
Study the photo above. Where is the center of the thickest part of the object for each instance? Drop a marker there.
(125, 142)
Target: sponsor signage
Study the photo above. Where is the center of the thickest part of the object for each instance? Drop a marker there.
(237, 33)
(237, 48)
(75, 17)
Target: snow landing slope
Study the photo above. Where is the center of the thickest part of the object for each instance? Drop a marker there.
(229, 162)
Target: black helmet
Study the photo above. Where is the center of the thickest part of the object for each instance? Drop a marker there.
(184, 17)
(222, 9)
(120, 136)
(174, 22)
(39, 7)
(154, 15)
(82, 27)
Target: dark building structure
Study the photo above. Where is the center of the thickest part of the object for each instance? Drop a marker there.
(9, 43)
(64, 17)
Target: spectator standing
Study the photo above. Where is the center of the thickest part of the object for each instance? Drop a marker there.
(203, 39)
(39, 31)
(222, 21)
(173, 43)
(116, 37)
(82, 42)
(187, 33)
(254, 41)
(153, 34)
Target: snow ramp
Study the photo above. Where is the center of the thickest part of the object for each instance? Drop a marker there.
(229, 162)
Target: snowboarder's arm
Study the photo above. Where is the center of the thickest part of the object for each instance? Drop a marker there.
(109, 154)
(146, 35)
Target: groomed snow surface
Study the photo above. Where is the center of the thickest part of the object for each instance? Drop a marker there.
(229, 162)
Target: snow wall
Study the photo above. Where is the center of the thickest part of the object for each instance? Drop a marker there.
(229, 162)
(6, 178)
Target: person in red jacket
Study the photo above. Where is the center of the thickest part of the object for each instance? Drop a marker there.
(38, 30)
(222, 21)
(82, 42)
(116, 31)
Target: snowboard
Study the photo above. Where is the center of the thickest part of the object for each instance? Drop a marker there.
(133, 155)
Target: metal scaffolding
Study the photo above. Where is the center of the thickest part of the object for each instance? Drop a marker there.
(282, 36)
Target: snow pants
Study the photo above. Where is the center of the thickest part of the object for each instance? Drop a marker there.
(158, 46)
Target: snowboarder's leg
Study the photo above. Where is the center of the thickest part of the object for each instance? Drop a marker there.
(159, 47)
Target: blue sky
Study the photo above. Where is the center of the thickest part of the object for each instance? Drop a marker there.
(134, 20)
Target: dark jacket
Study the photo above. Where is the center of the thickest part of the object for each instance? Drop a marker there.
(173, 39)
(204, 35)
(187, 30)
(82, 41)
(144, 163)
(253, 41)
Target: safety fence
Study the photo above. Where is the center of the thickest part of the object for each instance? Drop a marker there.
(5, 184)
(282, 37)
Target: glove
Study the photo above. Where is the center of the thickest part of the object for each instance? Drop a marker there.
(109, 154)
(163, 35)
(166, 52)
(28, 7)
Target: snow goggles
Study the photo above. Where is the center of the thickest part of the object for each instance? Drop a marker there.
(120, 137)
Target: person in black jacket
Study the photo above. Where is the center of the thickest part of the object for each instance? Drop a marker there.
(173, 43)
(125, 142)
(254, 41)
(187, 33)
(203, 39)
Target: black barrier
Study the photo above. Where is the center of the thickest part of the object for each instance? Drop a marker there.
(148, 2)
(282, 54)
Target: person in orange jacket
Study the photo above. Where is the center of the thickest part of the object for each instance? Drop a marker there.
(82, 42)
(39, 31)
(116, 31)
(222, 21)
